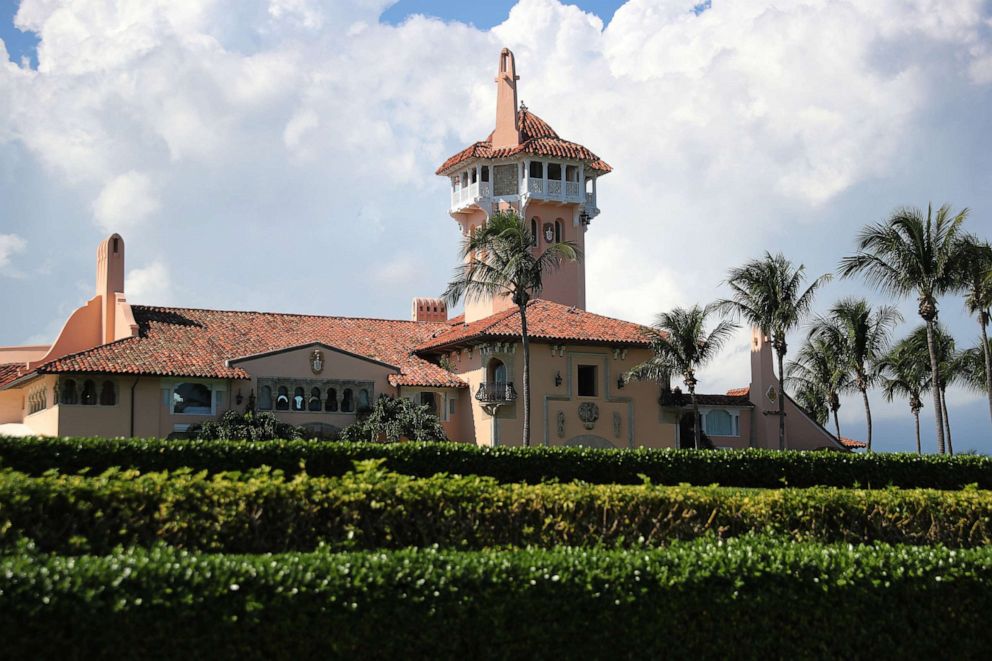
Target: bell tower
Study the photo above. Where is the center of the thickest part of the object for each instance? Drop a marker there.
(524, 165)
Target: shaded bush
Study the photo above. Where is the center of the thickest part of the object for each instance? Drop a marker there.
(750, 598)
(250, 425)
(746, 468)
(391, 420)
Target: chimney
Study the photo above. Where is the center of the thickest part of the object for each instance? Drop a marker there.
(429, 309)
(109, 281)
(507, 133)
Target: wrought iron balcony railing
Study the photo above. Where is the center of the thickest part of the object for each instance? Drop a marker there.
(496, 393)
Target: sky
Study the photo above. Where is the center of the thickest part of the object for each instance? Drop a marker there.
(279, 155)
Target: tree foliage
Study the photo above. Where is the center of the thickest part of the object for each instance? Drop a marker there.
(395, 419)
(248, 426)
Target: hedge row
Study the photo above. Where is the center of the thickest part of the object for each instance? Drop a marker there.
(749, 468)
(749, 598)
(258, 512)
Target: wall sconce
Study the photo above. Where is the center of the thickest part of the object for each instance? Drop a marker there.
(557, 379)
(238, 398)
(620, 383)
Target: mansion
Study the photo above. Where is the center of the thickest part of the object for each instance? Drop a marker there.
(118, 369)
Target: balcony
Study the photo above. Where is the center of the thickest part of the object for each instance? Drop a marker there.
(555, 190)
(471, 194)
(494, 395)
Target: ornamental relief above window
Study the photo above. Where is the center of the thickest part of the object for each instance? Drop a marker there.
(315, 395)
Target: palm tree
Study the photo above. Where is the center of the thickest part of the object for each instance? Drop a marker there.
(768, 293)
(814, 400)
(818, 372)
(949, 369)
(681, 344)
(914, 253)
(977, 276)
(500, 260)
(860, 336)
(905, 372)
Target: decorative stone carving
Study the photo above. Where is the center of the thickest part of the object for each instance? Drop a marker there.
(616, 424)
(561, 424)
(317, 361)
(588, 414)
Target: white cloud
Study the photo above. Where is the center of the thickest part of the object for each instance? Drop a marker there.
(151, 284)
(126, 201)
(10, 244)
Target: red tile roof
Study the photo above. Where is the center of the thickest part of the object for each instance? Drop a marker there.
(9, 372)
(738, 392)
(545, 321)
(197, 343)
(536, 137)
(682, 399)
(851, 443)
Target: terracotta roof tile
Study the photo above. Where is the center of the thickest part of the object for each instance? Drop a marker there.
(738, 392)
(196, 343)
(545, 321)
(851, 443)
(9, 372)
(536, 137)
(682, 399)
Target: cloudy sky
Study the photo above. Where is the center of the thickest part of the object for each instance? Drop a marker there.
(280, 154)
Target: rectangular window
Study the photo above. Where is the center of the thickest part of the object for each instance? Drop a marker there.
(587, 380)
(451, 407)
(485, 173)
(505, 180)
(554, 171)
(536, 170)
(430, 400)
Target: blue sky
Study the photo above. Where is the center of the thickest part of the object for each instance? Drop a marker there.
(280, 154)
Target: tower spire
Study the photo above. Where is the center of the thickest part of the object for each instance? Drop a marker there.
(507, 133)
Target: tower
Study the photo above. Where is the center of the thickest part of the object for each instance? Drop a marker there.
(524, 165)
(109, 281)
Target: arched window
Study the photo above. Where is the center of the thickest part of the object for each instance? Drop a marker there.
(265, 398)
(347, 401)
(533, 231)
(331, 403)
(496, 372)
(559, 231)
(192, 399)
(88, 396)
(299, 399)
(68, 394)
(363, 400)
(314, 403)
(719, 422)
(282, 399)
(108, 394)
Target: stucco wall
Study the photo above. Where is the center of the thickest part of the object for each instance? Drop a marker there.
(567, 284)
(11, 405)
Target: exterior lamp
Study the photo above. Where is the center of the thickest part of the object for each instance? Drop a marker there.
(557, 379)
(620, 383)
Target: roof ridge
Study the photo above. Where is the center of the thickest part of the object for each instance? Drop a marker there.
(282, 314)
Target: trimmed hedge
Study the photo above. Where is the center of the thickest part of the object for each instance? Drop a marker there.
(750, 598)
(259, 511)
(747, 468)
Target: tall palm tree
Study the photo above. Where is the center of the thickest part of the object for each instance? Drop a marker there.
(768, 293)
(919, 253)
(905, 372)
(977, 276)
(500, 260)
(974, 372)
(860, 336)
(819, 371)
(681, 344)
(814, 400)
(949, 369)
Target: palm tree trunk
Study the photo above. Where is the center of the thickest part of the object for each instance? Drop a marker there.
(935, 379)
(695, 418)
(525, 340)
(947, 421)
(864, 396)
(983, 319)
(837, 424)
(781, 400)
(916, 415)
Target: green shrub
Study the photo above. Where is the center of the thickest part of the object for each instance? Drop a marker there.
(258, 511)
(250, 425)
(746, 468)
(391, 420)
(750, 598)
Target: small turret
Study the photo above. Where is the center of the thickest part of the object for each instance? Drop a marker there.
(109, 281)
(429, 309)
